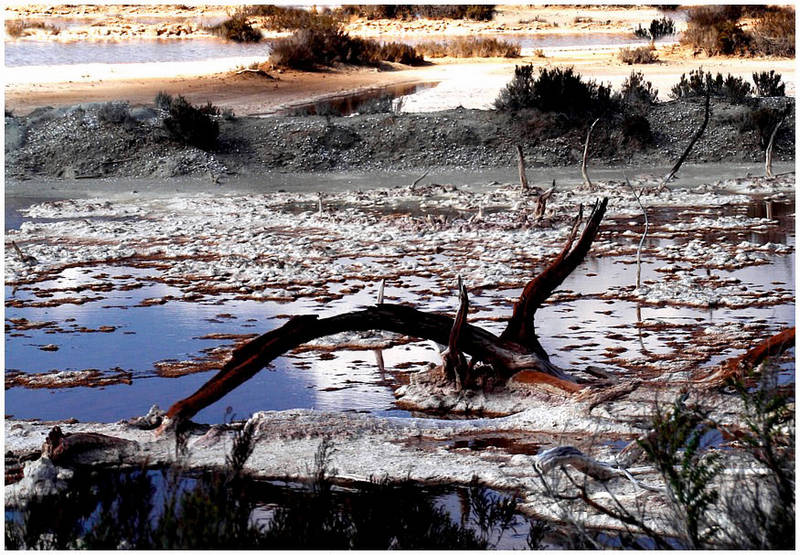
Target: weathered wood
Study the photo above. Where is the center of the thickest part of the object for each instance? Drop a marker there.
(586, 181)
(520, 328)
(420, 178)
(638, 197)
(455, 364)
(738, 365)
(771, 144)
(541, 202)
(523, 178)
(516, 350)
(695, 138)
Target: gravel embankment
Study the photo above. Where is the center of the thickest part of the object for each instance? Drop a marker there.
(75, 142)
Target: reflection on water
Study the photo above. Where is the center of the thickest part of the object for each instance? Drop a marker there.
(45, 53)
(360, 102)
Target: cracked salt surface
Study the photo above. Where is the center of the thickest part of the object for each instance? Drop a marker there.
(160, 276)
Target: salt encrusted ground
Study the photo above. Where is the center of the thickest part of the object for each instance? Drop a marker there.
(281, 246)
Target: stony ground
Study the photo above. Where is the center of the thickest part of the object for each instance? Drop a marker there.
(76, 142)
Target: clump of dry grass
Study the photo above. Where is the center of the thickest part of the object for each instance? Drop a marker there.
(640, 55)
(469, 47)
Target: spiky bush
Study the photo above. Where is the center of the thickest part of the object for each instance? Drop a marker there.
(658, 28)
(637, 91)
(191, 125)
(774, 32)
(769, 83)
(558, 90)
(734, 89)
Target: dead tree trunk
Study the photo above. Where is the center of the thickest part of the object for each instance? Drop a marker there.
(586, 181)
(695, 138)
(770, 145)
(517, 349)
(541, 202)
(523, 178)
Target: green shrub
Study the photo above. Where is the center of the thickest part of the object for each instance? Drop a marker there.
(769, 83)
(636, 130)
(114, 112)
(676, 447)
(237, 29)
(762, 121)
(191, 125)
(640, 55)
(734, 89)
(163, 101)
(558, 90)
(469, 47)
(658, 28)
(636, 92)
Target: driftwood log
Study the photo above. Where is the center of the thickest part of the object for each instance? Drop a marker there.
(517, 349)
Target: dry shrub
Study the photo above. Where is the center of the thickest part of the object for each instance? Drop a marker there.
(469, 47)
(640, 55)
(325, 45)
(237, 29)
(476, 12)
(716, 30)
(773, 33)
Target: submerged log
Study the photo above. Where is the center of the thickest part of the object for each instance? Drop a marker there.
(739, 365)
(517, 349)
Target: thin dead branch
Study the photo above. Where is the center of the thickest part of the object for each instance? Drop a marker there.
(586, 181)
(523, 178)
(771, 144)
(695, 138)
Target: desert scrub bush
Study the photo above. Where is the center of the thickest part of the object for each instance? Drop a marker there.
(762, 121)
(716, 30)
(636, 130)
(114, 112)
(678, 448)
(476, 12)
(15, 28)
(636, 91)
(237, 28)
(284, 18)
(639, 55)
(734, 89)
(558, 90)
(658, 28)
(762, 513)
(469, 47)
(326, 45)
(398, 52)
(773, 32)
(191, 125)
(163, 100)
(769, 83)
